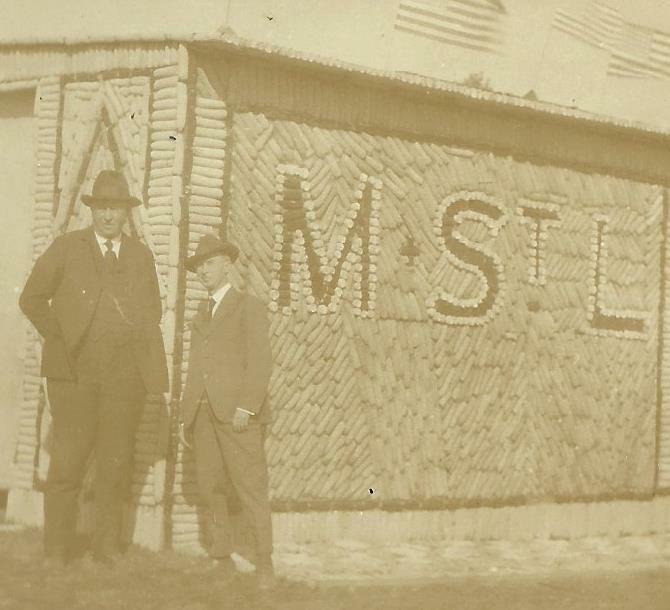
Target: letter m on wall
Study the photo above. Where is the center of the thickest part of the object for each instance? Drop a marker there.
(305, 270)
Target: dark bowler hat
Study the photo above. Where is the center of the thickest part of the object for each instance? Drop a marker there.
(208, 246)
(110, 189)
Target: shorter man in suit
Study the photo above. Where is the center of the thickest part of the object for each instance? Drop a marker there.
(224, 405)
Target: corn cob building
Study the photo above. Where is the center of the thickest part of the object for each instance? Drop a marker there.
(467, 291)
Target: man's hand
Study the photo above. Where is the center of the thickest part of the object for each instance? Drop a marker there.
(240, 420)
(182, 436)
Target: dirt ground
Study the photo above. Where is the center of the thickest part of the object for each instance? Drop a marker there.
(168, 581)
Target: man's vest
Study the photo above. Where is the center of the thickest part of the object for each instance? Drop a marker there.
(105, 353)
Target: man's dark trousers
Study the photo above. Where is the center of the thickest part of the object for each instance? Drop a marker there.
(230, 462)
(98, 410)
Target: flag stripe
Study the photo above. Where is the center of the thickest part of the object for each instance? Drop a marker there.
(600, 29)
(622, 60)
(660, 48)
(431, 34)
(476, 11)
(424, 12)
(468, 23)
(624, 72)
(636, 52)
(569, 25)
(453, 29)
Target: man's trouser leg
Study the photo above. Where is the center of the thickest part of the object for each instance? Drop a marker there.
(74, 420)
(213, 482)
(119, 411)
(244, 458)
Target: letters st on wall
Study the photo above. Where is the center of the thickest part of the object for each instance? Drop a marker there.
(446, 322)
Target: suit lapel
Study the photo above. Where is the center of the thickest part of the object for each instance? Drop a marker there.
(125, 251)
(96, 253)
(226, 306)
(90, 261)
(200, 320)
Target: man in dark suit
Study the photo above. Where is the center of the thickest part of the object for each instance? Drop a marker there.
(93, 297)
(224, 405)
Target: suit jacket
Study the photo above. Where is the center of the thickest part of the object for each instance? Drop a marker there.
(230, 360)
(62, 293)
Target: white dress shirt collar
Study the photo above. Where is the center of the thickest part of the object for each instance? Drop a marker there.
(218, 295)
(116, 244)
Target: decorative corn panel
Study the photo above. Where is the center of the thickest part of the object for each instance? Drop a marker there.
(30, 461)
(318, 447)
(447, 326)
(106, 124)
(162, 193)
(123, 123)
(663, 437)
(205, 204)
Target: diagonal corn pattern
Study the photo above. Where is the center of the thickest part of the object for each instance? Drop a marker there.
(421, 411)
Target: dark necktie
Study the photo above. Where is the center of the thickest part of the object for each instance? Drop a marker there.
(210, 311)
(110, 255)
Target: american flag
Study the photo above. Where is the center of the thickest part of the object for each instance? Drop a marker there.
(473, 24)
(645, 54)
(599, 24)
(635, 51)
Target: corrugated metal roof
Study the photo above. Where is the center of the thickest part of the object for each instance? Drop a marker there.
(229, 41)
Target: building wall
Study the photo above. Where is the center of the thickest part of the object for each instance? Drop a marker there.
(383, 396)
(518, 401)
(16, 188)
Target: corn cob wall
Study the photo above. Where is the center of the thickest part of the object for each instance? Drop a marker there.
(549, 393)
(527, 401)
(205, 175)
(48, 110)
(663, 420)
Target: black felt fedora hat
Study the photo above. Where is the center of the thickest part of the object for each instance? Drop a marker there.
(208, 246)
(110, 189)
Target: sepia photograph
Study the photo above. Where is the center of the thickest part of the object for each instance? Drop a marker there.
(335, 305)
